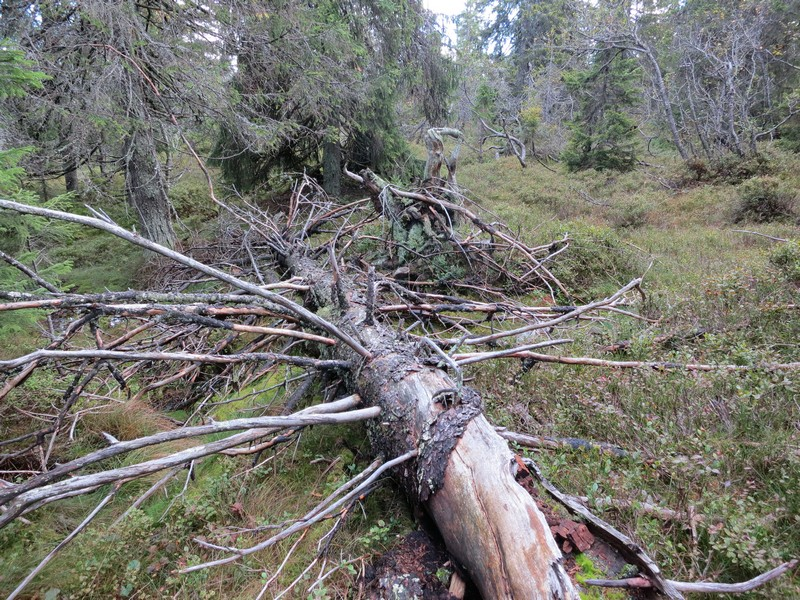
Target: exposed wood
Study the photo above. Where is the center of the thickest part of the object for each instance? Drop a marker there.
(437, 159)
(497, 532)
(458, 587)
(629, 549)
(464, 474)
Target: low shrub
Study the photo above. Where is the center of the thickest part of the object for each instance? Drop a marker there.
(790, 138)
(630, 214)
(786, 259)
(597, 263)
(729, 168)
(764, 199)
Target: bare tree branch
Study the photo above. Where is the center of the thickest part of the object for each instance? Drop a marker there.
(62, 544)
(701, 587)
(300, 361)
(29, 273)
(134, 238)
(321, 512)
(39, 491)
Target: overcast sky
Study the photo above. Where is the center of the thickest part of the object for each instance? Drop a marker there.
(445, 7)
(449, 8)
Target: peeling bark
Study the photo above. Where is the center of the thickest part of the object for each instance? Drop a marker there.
(464, 476)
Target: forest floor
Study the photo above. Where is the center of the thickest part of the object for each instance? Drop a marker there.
(719, 450)
(720, 446)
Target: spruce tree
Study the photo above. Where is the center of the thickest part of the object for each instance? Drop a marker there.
(603, 132)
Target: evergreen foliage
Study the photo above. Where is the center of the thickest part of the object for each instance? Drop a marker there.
(16, 73)
(28, 240)
(603, 133)
(311, 74)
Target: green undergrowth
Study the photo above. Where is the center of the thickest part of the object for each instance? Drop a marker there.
(722, 446)
(220, 501)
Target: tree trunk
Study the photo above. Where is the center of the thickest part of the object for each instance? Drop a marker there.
(436, 158)
(332, 168)
(664, 97)
(145, 188)
(71, 178)
(464, 473)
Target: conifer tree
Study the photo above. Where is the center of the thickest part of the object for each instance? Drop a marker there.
(603, 133)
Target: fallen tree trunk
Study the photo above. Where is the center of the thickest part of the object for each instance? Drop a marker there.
(464, 474)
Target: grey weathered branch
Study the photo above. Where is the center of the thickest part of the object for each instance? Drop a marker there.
(764, 235)
(320, 512)
(573, 314)
(39, 490)
(701, 587)
(51, 555)
(134, 238)
(553, 443)
(516, 145)
(474, 357)
(196, 303)
(224, 359)
(631, 551)
(638, 364)
(529, 254)
(195, 314)
(29, 273)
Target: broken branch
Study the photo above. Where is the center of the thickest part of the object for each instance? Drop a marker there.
(700, 587)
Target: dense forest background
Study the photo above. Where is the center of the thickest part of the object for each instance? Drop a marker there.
(651, 137)
(266, 89)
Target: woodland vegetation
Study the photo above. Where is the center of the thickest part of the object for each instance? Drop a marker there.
(308, 300)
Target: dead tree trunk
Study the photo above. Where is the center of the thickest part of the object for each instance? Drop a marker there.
(332, 168)
(71, 177)
(464, 474)
(437, 159)
(145, 188)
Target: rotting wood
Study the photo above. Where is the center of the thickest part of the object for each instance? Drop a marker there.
(629, 550)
